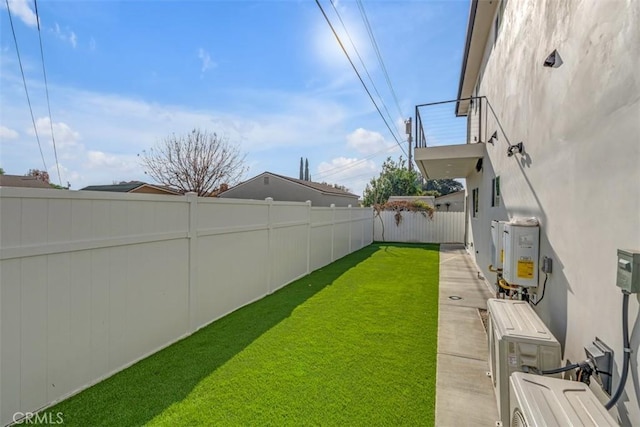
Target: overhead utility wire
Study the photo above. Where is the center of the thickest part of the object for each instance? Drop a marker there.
(379, 55)
(46, 88)
(361, 61)
(359, 76)
(24, 81)
(339, 169)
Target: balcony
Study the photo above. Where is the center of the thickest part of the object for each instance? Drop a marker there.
(450, 137)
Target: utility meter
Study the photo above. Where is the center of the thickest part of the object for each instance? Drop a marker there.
(521, 245)
(628, 277)
(497, 253)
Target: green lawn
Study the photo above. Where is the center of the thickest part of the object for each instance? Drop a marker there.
(351, 344)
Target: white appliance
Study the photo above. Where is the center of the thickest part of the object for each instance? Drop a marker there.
(497, 252)
(521, 251)
(517, 338)
(538, 401)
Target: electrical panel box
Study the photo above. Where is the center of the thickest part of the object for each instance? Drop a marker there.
(628, 278)
(521, 245)
(497, 253)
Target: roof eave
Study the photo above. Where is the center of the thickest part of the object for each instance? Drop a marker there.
(465, 56)
(481, 18)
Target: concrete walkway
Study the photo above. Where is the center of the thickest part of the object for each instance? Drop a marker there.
(464, 393)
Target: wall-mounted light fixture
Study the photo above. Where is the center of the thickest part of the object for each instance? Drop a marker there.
(494, 138)
(553, 60)
(515, 149)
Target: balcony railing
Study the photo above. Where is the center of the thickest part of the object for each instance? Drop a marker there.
(441, 123)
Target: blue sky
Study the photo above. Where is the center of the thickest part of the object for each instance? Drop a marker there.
(268, 75)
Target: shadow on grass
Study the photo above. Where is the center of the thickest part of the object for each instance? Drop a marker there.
(386, 245)
(138, 394)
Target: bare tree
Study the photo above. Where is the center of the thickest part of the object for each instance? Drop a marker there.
(198, 161)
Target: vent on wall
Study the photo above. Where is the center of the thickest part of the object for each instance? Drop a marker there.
(265, 180)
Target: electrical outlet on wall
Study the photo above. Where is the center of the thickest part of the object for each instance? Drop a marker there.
(547, 265)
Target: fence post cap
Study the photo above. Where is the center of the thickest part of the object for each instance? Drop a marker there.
(269, 199)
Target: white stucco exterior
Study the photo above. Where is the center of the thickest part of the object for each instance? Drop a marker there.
(455, 202)
(580, 170)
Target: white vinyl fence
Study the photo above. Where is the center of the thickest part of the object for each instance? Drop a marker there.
(92, 282)
(445, 227)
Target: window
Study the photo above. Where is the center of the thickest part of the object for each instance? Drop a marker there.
(475, 202)
(495, 191)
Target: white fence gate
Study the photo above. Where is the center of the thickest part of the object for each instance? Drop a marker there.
(445, 227)
(92, 282)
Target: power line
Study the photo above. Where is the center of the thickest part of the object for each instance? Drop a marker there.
(340, 169)
(358, 74)
(361, 60)
(379, 55)
(24, 81)
(46, 88)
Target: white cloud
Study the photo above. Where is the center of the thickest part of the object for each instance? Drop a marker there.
(65, 35)
(22, 9)
(92, 44)
(366, 141)
(353, 173)
(205, 58)
(6, 133)
(100, 159)
(65, 136)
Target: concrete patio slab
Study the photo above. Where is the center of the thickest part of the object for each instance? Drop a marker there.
(464, 392)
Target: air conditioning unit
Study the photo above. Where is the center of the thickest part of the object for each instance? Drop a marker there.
(542, 401)
(517, 339)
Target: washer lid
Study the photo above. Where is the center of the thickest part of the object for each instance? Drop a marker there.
(546, 401)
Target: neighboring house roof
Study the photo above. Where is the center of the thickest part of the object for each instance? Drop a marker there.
(317, 186)
(323, 188)
(22, 181)
(128, 187)
(454, 195)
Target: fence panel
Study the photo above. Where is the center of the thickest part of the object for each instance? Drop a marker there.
(445, 227)
(92, 282)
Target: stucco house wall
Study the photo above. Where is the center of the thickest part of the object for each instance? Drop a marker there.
(580, 126)
(281, 189)
(455, 200)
